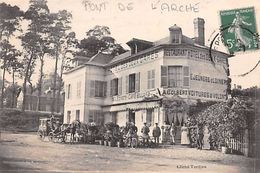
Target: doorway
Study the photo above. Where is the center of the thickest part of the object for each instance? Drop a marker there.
(131, 117)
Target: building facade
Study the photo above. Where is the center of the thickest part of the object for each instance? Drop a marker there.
(130, 87)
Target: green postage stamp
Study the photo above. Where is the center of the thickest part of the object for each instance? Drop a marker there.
(239, 30)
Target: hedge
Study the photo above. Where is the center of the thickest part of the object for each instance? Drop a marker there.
(16, 120)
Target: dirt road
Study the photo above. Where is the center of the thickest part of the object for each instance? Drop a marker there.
(24, 152)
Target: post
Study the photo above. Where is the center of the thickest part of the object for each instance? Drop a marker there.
(246, 143)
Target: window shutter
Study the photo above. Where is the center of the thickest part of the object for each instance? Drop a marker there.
(127, 84)
(111, 88)
(153, 79)
(186, 76)
(137, 82)
(104, 89)
(164, 76)
(92, 88)
(120, 86)
(148, 79)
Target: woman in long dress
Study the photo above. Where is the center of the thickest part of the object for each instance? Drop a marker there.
(184, 135)
(236, 28)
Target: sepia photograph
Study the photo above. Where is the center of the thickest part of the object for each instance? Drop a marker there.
(129, 86)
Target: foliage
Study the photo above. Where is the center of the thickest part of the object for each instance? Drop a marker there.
(173, 104)
(58, 36)
(11, 94)
(252, 92)
(35, 41)
(224, 119)
(10, 17)
(99, 40)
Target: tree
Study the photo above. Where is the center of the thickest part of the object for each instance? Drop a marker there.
(35, 41)
(39, 15)
(67, 50)
(10, 17)
(99, 40)
(61, 22)
(9, 20)
(15, 68)
(8, 55)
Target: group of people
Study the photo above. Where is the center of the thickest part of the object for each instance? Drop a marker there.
(132, 132)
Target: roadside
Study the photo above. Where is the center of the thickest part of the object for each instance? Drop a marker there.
(24, 152)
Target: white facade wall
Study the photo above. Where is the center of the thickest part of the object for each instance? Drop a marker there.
(91, 72)
(74, 102)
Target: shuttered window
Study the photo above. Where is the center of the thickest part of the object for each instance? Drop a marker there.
(175, 76)
(132, 83)
(98, 88)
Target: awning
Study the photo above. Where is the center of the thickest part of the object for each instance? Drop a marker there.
(115, 108)
(142, 105)
(132, 106)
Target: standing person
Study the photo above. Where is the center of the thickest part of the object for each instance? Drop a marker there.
(184, 135)
(200, 136)
(145, 134)
(173, 133)
(156, 133)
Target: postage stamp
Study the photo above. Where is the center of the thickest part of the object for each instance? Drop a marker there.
(239, 29)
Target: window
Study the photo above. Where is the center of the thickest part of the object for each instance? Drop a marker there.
(96, 116)
(114, 116)
(78, 89)
(98, 88)
(151, 79)
(77, 114)
(68, 117)
(176, 38)
(114, 87)
(150, 117)
(175, 76)
(68, 91)
(133, 83)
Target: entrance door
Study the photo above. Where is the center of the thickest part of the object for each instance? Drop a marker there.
(131, 116)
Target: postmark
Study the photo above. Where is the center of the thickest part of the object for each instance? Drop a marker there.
(238, 29)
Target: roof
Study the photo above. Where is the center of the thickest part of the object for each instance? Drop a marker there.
(121, 56)
(101, 58)
(139, 41)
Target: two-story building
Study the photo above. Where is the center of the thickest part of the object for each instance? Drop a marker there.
(130, 87)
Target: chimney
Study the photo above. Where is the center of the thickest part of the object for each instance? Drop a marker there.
(199, 34)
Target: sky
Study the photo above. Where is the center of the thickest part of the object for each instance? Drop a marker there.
(150, 20)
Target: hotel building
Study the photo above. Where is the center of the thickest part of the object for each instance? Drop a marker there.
(130, 87)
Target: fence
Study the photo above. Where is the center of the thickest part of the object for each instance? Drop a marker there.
(239, 144)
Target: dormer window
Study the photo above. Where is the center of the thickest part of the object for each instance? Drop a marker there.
(176, 38)
(175, 34)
